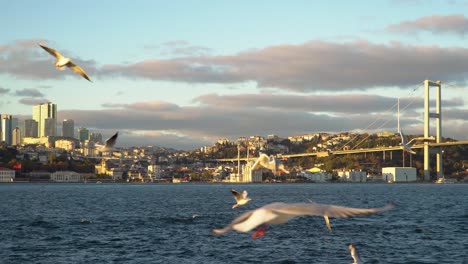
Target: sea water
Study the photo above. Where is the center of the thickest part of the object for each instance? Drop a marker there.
(172, 223)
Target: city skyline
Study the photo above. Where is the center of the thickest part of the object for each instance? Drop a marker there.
(165, 75)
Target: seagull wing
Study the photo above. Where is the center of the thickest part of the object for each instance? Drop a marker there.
(236, 194)
(355, 254)
(52, 52)
(237, 220)
(404, 140)
(78, 70)
(259, 216)
(262, 161)
(110, 142)
(327, 210)
(244, 194)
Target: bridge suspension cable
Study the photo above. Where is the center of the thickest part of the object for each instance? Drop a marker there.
(411, 94)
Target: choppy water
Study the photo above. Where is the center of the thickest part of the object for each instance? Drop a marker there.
(40, 223)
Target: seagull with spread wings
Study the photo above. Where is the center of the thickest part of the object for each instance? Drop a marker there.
(241, 198)
(279, 213)
(270, 163)
(63, 62)
(110, 143)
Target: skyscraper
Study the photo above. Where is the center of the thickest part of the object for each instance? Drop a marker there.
(50, 127)
(6, 129)
(30, 128)
(95, 137)
(40, 113)
(16, 136)
(68, 128)
(83, 134)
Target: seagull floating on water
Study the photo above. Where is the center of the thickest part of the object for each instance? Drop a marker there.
(241, 198)
(110, 143)
(279, 213)
(355, 254)
(270, 163)
(65, 62)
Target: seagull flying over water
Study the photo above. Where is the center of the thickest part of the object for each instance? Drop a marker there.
(279, 213)
(355, 254)
(405, 144)
(241, 198)
(270, 163)
(65, 62)
(110, 143)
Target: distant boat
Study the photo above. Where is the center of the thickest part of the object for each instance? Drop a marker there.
(99, 182)
(445, 181)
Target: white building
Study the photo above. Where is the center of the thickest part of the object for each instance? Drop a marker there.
(65, 176)
(399, 174)
(6, 175)
(353, 176)
(247, 174)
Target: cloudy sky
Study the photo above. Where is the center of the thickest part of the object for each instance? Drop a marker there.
(182, 74)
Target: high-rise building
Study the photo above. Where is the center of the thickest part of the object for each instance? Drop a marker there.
(83, 134)
(6, 129)
(16, 137)
(50, 127)
(40, 113)
(95, 137)
(68, 128)
(30, 128)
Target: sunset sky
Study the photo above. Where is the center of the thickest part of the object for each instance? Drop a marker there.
(182, 74)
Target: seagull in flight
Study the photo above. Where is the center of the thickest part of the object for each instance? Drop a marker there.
(110, 143)
(405, 144)
(65, 62)
(241, 198)
(355, 254)
(279, 213)
(270, 163)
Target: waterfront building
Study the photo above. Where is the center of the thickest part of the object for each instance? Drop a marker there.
(42, 112)
(353, 176)
(30, 128)
(6, 175)
(65, 176)
(68, 128)
(399, 174)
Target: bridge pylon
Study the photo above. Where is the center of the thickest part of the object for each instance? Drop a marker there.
(434, 115)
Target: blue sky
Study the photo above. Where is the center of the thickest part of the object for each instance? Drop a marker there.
(184, 73)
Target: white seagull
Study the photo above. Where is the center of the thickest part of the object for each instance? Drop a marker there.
(65, 62)
(241, 198)
(355, 254)
(405, 144)
(270, 163)
(110, 143)
(279, 213)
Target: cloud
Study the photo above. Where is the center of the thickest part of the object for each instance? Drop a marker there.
(4, 90)
(312, 66)
(343, 103)
(145, 106)
(455, 24)
(219, 116)
(29, 93)
(32, 101)
(24, 58)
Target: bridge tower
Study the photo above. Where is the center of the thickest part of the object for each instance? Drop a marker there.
(427, 116)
